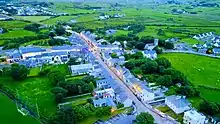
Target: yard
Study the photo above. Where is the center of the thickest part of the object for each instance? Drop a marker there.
(168, 111)
(10, 115)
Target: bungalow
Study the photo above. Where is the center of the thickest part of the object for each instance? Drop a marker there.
(193, 117)
(177, 103)
(104, 102)
(216, 50)
(81, 69)
(151, 54)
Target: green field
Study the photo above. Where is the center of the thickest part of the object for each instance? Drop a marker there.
(10, 115)
(200, 71)
(16, 34)
(13, 24)
(53, 21)
(33, 18)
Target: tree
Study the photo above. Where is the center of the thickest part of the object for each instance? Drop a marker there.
(59, 98)
(163, 62)
(57, 90)
(52, 34)
(149, 66)
(158, 50)
(160, 32)
(144, 118)
(165, 80)
(66, 116)
(177, 76)
(210, 108)
(169, 45)
(60, 30)
(32, 27)
(188, 91)
(56, 77)
(114, 55)
(56, 42)
(73, 61)
(19, 72)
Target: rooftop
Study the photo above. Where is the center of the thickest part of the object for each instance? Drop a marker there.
(178, 101)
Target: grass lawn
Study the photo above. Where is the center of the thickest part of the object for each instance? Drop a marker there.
(61, 68)
(192, 41)
(34, 90)
(33, 18)
(10, 115)
(13, 24)
(34, 71)
(16, 34)
(80, 98)
(167, 110)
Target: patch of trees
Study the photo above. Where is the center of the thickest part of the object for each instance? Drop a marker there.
(56, 42)
(64, 88)
(33, 27)
(136, 28)
(161, 72)
(209, 107)
(60, 30)
(16, 71)
(144, 118)
(166, 45)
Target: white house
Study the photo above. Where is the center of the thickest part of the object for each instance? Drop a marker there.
(151, 54)
(177, 103)
(106, 93)
(81, 69)
(193, 117)
(143, 92)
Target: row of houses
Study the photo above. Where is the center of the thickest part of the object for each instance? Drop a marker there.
(32, 56)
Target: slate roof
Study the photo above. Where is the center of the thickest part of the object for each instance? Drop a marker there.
(24, 50)
(107, 101)
(178, 101)
(150, 52)
(216, 50)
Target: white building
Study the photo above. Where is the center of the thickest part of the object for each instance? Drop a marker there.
(177, 103)
(106, 93)
(143, 92)
(193, 117)
(81, 69)
(151, 54)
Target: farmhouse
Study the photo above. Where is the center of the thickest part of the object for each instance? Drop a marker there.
(177, 103)
(81, 69)
(193, 117)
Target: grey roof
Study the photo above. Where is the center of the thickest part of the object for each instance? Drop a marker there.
(67, 47)
(125, 120)
(216, 50)
(143, 86)
(107, 101)
(178, 101)
(24, 50)
(103, 80)
(123, 96)
(150, 52)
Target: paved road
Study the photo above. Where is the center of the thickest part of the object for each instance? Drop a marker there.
(139, 105)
